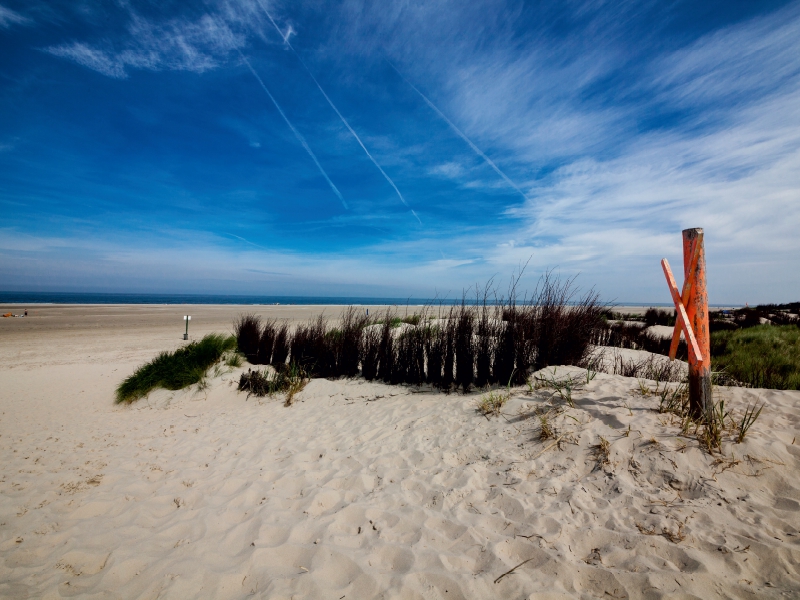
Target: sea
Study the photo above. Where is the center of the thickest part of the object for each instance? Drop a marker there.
(254, 300)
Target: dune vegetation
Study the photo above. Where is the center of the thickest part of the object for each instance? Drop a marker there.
(765, 356)
(478, 343)
(468, 345)
(178, 369)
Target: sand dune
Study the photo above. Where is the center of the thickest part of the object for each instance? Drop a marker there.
(363, 490)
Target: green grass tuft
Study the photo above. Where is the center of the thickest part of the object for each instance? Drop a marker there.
(175, 370)
(290, 379)
(492, 402)
(234, 359)
(412, 319)
(765, 356)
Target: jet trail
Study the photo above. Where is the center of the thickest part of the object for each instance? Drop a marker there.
(336, 110)
(297, 134)
(461, 134)
(238, 237)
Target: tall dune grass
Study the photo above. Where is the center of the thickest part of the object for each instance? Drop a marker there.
(484, 345)
(266, 342)
(386, 348)
(281, 345)
(370, 348)
(469, 344)
(247, 329)
(464, 346)
(175, 370)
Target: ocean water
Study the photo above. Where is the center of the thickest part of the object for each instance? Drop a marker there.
(101, 298)
(104, 298)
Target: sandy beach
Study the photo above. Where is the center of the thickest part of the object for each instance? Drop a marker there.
(365, 490)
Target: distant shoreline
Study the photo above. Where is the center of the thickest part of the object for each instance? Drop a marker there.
(89, 299)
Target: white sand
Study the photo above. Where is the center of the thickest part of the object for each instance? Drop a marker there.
(663, 332)
(365, 490)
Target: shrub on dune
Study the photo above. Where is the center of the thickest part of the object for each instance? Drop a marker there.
(175, 370)
(658, 316)
(289, 379)
(309, 347)
(464, 347)
(417, 353)
(409, 358)
(281, 345)
(266, 342)
(434, 350)
(247, 329)
(348, 352)
(477, 344)
(563, 329)
(370, 345)
(448, 333)
(400, 359)
(484, 347)
(386, 349)
(505, 349)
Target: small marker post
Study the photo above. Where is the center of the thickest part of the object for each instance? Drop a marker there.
(187, 318)
(691, 309)
(700, 400)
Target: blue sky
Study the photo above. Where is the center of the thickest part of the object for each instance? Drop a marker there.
(397, 148)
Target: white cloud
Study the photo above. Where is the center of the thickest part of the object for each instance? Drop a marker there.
(621, 192)
(757, 57)
(8, 18)
(449, 170)
(197, 261)
(179, 45)
(741, 184)
(730, 163)
(92, 58)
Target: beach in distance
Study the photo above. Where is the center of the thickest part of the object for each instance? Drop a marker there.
(361, 489)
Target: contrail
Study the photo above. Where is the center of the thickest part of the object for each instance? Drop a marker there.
(461, 134)
(238, 237)
(297, 134)
(336, 110)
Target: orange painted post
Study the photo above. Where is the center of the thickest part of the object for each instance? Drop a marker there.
(681, 318)
(687, 286)
(691, 312)
(694, 264)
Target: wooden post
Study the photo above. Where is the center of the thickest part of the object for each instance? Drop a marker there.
(694, 265)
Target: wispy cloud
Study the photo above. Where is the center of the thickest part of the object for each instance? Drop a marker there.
(732, 170)
(617, 130)
(178, 44)
(8, 18)
(189, 261)
(705, 134)
(733, 65)
(462, 135)
(450, 169)
(102, 61)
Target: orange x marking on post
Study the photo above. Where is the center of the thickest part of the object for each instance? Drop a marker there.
(687, 287)
(682, 322)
